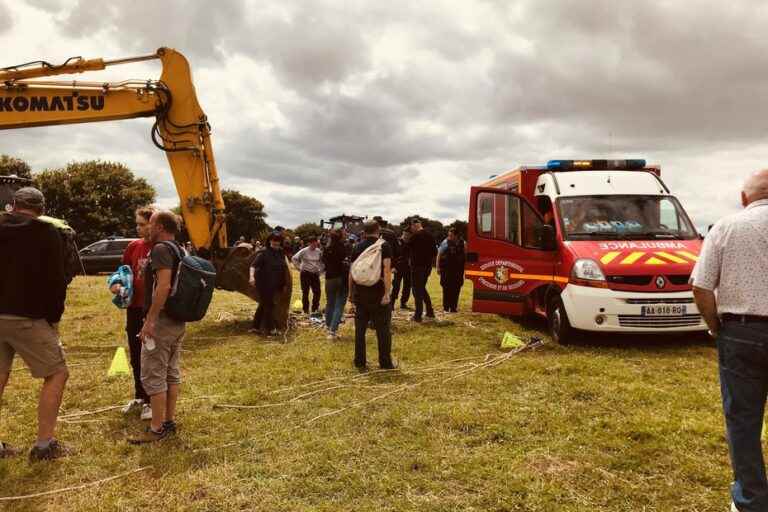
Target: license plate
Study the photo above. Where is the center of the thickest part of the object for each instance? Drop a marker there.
(663, 310)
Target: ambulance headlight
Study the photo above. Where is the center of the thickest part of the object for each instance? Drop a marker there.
(587, 269)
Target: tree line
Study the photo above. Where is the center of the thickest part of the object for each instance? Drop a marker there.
(97, 198)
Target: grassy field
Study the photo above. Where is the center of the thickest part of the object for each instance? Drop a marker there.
(615, 424)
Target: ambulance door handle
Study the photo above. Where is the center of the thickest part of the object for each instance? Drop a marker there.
(472, 257)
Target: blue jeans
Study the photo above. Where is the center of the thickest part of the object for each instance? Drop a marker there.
(336, 298)
(743, 357)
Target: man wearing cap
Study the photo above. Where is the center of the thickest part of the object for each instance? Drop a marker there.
(32, 291)
(733, 263)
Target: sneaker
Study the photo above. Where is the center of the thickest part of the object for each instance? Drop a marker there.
(149, 436)
(169, 427)
(7, 451)
(146, 412)
(414, 318)
(332, 335)
(133, 405)
(405, 306)
(55, 450)
(361, 369)
(430, 316)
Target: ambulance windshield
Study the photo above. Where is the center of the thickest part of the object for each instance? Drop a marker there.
(626, 217)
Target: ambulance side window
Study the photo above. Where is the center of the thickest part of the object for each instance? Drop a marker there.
(498, 216)
(532, 228)
(668, 215)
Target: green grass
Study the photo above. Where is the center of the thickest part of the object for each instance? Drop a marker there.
(619, 424)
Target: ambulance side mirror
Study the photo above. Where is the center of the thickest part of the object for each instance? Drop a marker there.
(547, 237)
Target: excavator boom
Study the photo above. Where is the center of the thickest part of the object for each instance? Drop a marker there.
(181, 128)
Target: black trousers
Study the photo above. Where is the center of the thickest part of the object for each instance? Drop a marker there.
(419, 278)
(134, 321)
(398, 279)
(451, 291)
(264, 319)
(310, 280)
(381, 316)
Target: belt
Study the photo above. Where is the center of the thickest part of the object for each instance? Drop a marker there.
(730, 317)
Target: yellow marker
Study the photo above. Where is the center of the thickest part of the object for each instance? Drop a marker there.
(654, 261)
(688, 255)
(119, 364)
(511, 341)
(609, 257)
(632, 258)
(671, 257)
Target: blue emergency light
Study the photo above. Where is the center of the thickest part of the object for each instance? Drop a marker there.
(595, 165)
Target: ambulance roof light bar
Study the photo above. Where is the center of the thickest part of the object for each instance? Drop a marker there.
(595, 165)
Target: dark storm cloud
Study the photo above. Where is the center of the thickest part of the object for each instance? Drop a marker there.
(197, 28)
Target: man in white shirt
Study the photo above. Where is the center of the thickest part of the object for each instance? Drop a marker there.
(309, 262)
(734, 263)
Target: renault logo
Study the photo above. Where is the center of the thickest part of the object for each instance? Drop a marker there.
(660, 282)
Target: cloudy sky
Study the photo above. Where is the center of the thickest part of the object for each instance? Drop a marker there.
(397, 107)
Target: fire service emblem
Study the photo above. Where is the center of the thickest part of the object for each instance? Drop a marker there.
(503, 275)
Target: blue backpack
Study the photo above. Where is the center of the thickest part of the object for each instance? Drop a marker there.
(192, 286)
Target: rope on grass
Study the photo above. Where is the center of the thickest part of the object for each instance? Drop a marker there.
(119, 406)
(74, 487)
(488, 362)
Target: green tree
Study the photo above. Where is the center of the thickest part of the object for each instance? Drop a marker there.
(96, 198)
(245, 216)
(10, 165)
(460, 226)
(434, 227)
(308, 229)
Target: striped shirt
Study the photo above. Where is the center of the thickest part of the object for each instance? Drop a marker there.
(734, 262)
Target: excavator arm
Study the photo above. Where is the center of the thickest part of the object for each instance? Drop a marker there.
(181, 128)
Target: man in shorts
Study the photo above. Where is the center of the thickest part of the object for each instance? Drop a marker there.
(161, 335)
(32, 290)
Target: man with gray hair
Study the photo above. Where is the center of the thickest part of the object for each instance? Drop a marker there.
(32, 291)
(734, 263)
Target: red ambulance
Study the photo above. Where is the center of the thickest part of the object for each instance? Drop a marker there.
(592, 245)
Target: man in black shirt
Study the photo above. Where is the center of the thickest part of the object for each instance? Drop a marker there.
(402, 273)
(423, 251)
(32, 291)
(372, 302)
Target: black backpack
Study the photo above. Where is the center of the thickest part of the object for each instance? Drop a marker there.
(192, 287)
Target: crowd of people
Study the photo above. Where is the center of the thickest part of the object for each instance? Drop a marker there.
(29, 319)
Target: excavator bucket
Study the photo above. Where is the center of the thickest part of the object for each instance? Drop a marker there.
(233, 273)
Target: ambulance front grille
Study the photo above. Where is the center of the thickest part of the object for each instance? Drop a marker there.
(683, 300)
(659, 322)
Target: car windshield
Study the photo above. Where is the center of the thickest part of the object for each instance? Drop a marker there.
(626, 217)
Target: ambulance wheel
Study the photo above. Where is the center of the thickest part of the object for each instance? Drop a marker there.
(559, 327)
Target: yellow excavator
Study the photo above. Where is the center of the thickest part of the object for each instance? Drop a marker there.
(181, 130)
